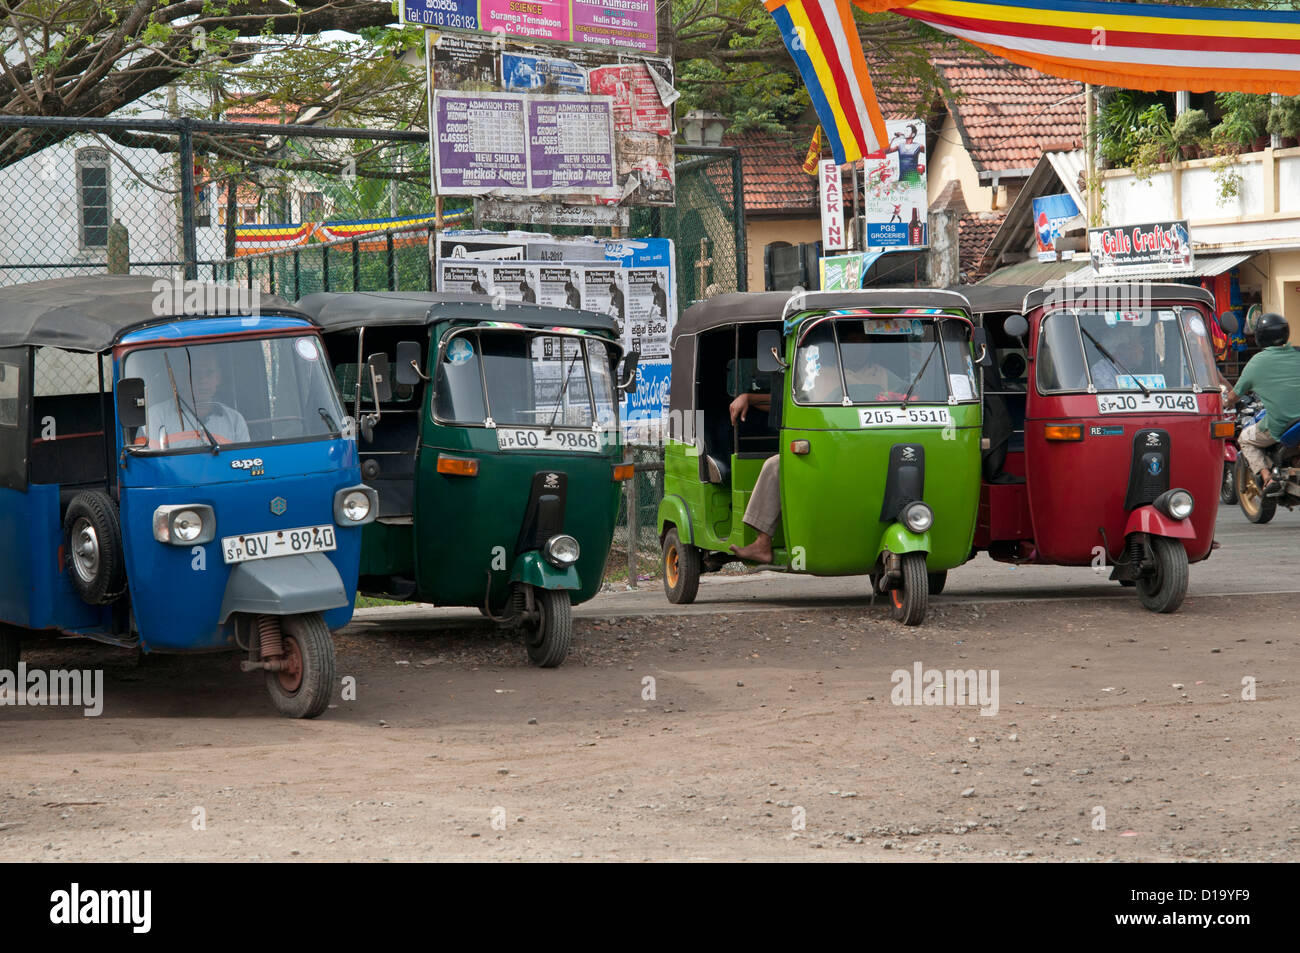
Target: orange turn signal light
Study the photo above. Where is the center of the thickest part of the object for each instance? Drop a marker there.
(800, 447)
(457, 466)
(1221, 428)
(623, 471)
(1063, 431)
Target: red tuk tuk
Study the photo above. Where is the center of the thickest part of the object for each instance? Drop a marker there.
(1103, 430)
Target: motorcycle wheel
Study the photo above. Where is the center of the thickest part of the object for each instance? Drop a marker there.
(1228, 488)
(1250, 495)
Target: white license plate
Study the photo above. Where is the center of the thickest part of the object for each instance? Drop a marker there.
(1146, 403)
(898, 417)
(283, 542)
(536, 438)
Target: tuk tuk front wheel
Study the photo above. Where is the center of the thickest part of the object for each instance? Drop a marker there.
(303, 687)
(912, 595)
(1164, 589)
(681, 569)
(549, 636)
(92, 535)
(1250, 495)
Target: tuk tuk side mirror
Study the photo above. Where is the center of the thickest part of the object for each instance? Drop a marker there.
(627, 372)
(979, 338)
(769, 352)
(381, 386)
(1228, 321)
(130, 402)
(1016, 326)
(408, 372)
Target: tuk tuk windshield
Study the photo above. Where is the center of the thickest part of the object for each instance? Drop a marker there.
(1125, 350)
(249, 391)
(529, 379)
(880, 359)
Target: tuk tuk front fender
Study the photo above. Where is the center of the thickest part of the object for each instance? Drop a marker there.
(533, 570)
(1148, 519)
(673, 509)
(897, 538)
(284, 585)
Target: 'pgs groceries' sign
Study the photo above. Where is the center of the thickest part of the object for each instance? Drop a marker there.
(1161, 248)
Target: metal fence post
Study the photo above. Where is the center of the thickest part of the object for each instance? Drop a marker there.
(325, 267)
(297, 284)
(633, 529)
(270, 266)
(392, 265)
(189, 246)
(356, 265)
(738, 216)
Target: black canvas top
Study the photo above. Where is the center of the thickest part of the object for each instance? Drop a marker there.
(348, 310)
(91, 313)
(1020, 298)
(758, 306)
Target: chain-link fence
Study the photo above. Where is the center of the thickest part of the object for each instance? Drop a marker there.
(296, 209)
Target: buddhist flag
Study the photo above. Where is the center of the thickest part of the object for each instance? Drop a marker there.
(814, 152)
(824, 43)
(1132, 45)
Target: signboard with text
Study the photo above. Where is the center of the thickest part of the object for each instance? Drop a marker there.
(896, 189)
(831, 191)
(1156, 248)
(628, 24)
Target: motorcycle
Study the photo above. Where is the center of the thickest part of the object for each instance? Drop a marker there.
(1258, 504)
(1241, 417)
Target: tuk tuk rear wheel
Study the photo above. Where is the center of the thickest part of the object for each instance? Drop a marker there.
(10, 648)
(681, 564)
(937, 581)
(1163, 590)
(307, 642)
(909, 600)
(549, 638)
(1250, 495)
(92, 537)
(1228, 488)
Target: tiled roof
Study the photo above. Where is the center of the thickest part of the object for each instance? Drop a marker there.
(974, 232)
(773, 168)
(1007, 114)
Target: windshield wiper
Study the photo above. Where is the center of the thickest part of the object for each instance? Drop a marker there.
(329, 422)
(181, 406)
(917, 379)
(1114, 363)
(559, 401)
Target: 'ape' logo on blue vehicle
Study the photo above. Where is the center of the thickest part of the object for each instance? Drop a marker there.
(279, 505)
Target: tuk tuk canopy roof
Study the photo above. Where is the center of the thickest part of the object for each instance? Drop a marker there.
(1021, 298)
(747, 307)
(348, 310)
(92, 313)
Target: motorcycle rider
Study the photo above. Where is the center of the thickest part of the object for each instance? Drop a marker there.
(1274, 375)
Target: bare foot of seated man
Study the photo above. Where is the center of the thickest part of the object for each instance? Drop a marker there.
(759, 551)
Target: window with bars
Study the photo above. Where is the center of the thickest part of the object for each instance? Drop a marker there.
(94, 199)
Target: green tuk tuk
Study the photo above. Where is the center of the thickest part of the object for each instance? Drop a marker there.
(491, 434)
(870, 404)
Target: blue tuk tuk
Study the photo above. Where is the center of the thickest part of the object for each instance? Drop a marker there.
(177, 474)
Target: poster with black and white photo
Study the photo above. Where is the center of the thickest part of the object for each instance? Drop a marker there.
(464, 277)
(648, 313)
(515, 281)
(559, 286)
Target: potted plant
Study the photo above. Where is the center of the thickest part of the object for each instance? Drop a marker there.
(1244, 122)
(1284, 120)
(1190, 131)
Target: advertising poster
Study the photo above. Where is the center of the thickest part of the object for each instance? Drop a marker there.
(463, 278)
(482, 142)
(602, 292)
(648, 312)
(1158, 248)
(559, 286)
(628, 24)
(514, 281)
(1052, 213)
(521, 73)
(571, 144)
(831, 194)
(842, 272)
(896, 197)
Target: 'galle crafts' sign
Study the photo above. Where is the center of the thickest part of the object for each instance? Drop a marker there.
(1158, 248)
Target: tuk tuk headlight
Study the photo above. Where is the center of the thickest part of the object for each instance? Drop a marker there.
(561, 551)
(186, 524)
(1176, 504)
(917, 517)
(355, 505)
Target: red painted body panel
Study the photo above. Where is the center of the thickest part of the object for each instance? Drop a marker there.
(1148, 519)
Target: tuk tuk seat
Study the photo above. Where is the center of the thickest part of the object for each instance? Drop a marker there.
(1291, 436)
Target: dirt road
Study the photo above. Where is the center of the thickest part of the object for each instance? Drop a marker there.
(770, 735)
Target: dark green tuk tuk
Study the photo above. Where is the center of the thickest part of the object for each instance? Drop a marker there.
(491, 434)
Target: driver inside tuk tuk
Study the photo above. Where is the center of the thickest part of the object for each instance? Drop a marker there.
(173, 420)
(817, 384)
(1127, 347)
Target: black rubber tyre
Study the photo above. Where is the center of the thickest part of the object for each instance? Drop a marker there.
(937, 581)
(909, 600)
(10, 648)
(1228, 487)
(1127, 583)
(549, 638)
(92, 539)
(681, 566)
(308, 635)
(1164, 591)
(1250, 495)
